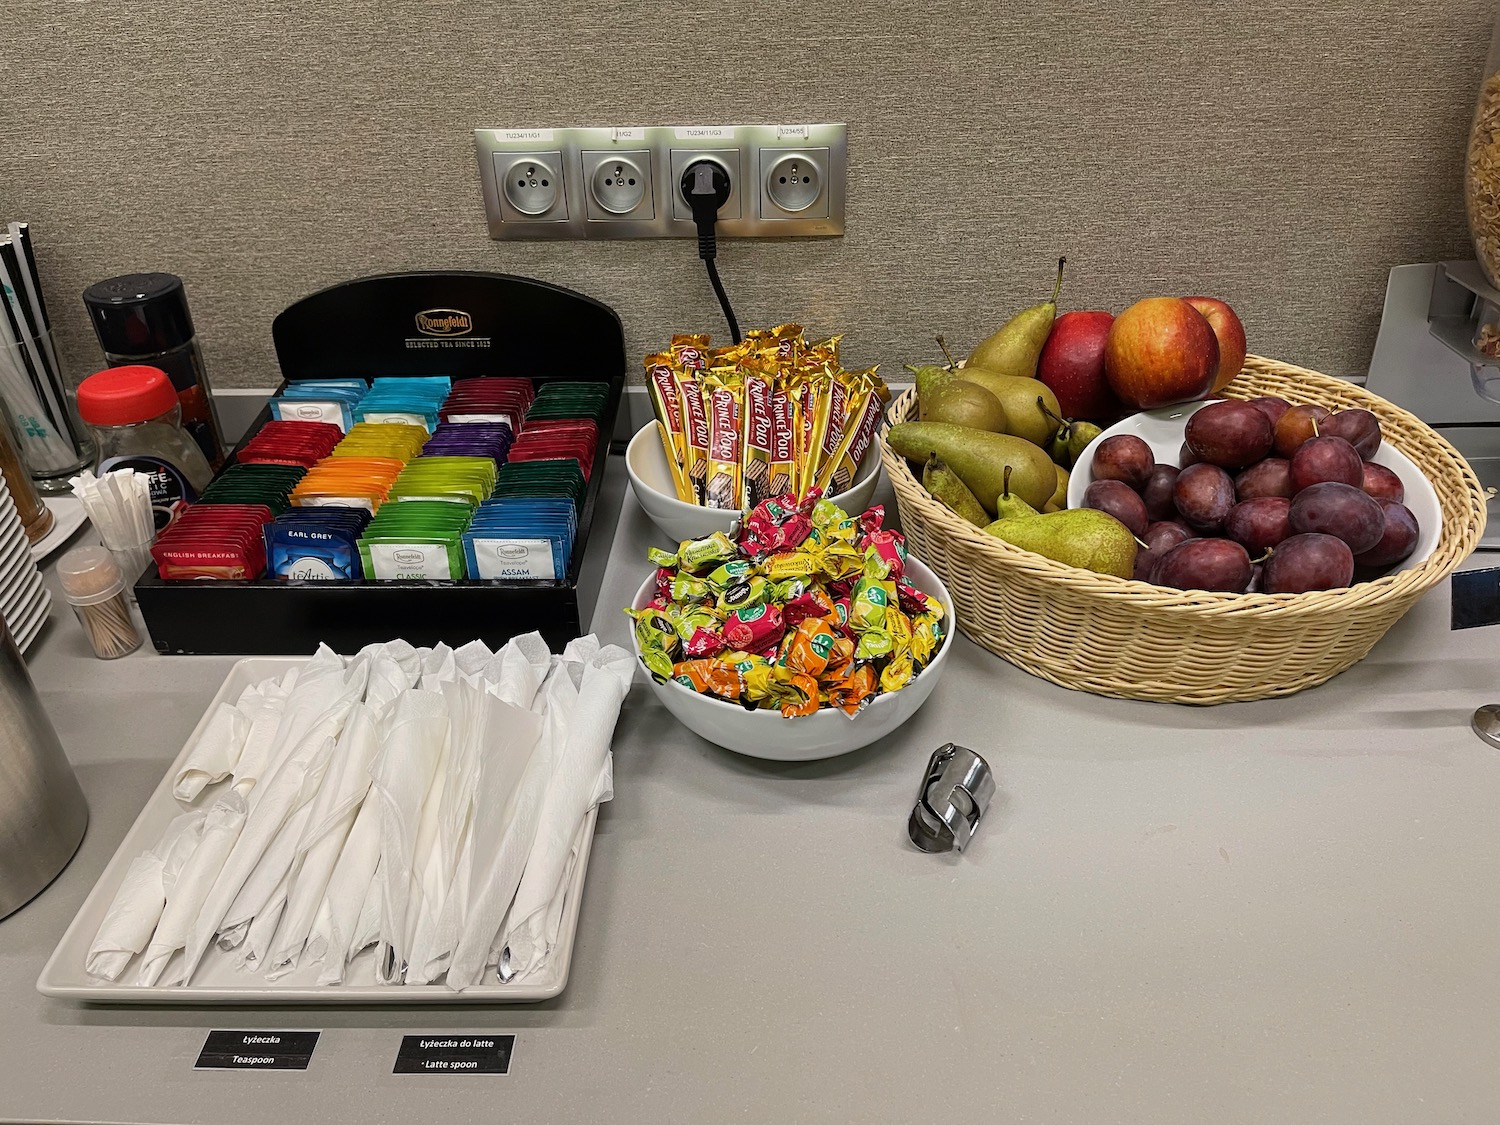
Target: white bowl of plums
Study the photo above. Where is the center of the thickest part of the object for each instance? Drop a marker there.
(1259, 496)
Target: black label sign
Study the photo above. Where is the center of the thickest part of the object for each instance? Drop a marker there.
(257, 1050)
(454, 1054)
(1476, 598)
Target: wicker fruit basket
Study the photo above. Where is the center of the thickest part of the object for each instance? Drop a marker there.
(1132, 640)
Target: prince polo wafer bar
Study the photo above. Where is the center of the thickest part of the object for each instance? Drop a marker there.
(668, 407)
(695, 431)
(757, 438)
(783, 444)
(722, 489)
(837, 473)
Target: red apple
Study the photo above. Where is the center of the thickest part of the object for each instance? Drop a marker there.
(1229, 332)
(1072, 364)
(1160, 351)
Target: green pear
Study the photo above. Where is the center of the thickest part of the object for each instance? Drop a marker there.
(1008, 505)
(945, 487)
(1016, 347)
(1031, 409)
(1083, 433)
(1059, 499)
(963, 404)
(980, 459)
(1083, 537)
(929, 377)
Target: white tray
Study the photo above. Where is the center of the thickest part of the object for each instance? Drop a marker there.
(218, 980)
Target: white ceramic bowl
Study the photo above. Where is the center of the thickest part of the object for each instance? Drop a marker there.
(826, 734)
(1163, 431)
(651, 478)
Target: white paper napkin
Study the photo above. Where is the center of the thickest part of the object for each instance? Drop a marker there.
(289, 788)
(415, 738)
(262, 929)
(269, 873)
(573, 790)
(264, 715)
(498, 863)
(332, 933)
(438, 667)
(518, 669)
(136, 908)
(214, 753)
(472, 659)
(184, 901)
(332, 815)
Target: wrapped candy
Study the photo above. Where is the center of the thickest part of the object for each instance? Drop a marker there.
(747, 592)
(656, 637)
(807, 648)
(753, 627)
(811, 609)
(853, 693)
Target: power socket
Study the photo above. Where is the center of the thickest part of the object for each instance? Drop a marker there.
(626, 182)
(531, 186)
(619, 185)
(793, 183)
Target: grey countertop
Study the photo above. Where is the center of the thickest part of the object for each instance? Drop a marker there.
(1267, 912)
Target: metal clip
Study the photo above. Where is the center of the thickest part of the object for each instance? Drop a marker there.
(955, 793)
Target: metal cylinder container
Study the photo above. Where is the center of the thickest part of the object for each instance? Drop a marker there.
(43, 813)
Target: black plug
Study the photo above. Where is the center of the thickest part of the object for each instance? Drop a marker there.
(705, 185)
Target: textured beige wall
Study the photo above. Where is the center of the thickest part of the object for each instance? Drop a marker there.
(1282, 154)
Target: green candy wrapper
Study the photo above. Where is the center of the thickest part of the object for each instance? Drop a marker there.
(658, 639)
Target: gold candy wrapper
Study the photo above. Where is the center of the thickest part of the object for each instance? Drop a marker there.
(783, 444)
(723, 486)
(695, 432)
(757, 439)
(774, 415)
(662, 385)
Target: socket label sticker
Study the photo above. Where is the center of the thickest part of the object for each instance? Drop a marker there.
(706, 133)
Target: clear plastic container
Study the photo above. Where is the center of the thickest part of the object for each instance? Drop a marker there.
(95, 588)
(137, 421)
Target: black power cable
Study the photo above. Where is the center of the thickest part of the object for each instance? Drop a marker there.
(705, 185)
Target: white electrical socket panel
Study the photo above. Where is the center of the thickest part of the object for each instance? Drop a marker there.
(785, 180)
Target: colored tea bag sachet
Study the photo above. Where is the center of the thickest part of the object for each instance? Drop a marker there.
(561, 439)
(416, 539)
(413, 401)
(290, 443)
(458, 479)
(470, 439)
(214, 541)
(348, 482)
(568, 399)
(320, 400)
(521, 537)
(270, 485)
(316, 544)
(489, 399)
(398, 441)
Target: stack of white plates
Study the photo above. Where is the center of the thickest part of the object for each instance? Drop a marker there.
(24, 601)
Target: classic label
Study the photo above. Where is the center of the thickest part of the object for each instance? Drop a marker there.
(257, 1050)
(454, 1054)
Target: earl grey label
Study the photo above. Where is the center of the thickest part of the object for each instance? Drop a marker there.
(1476, 598)
(454, 1054)
(257, 1050)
